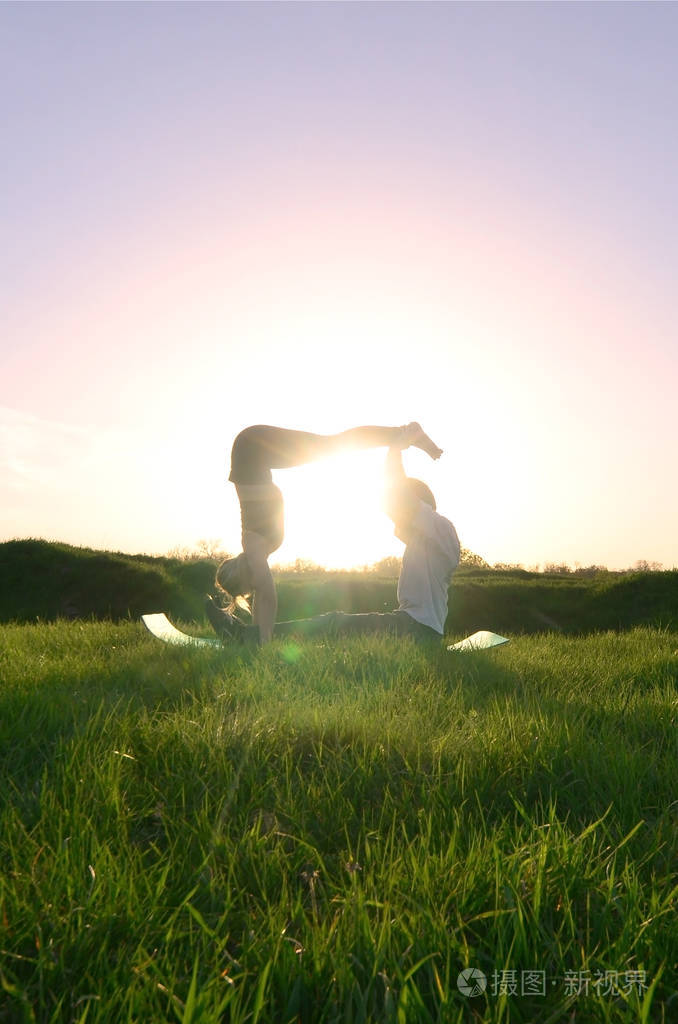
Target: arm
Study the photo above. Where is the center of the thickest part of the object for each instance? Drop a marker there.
(401, 504)
(265, 603)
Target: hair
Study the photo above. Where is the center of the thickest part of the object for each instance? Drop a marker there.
(421, 491)
(228, 579)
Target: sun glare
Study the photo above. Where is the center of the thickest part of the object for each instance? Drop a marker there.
(334, 512)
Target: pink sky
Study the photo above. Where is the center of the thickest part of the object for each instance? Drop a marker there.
(320, 215)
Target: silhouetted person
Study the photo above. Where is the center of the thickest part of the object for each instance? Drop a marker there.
(430, 558)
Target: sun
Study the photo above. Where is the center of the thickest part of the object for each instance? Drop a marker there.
(334, 512)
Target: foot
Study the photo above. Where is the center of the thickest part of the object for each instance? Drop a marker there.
(223, 623)
(419, 439)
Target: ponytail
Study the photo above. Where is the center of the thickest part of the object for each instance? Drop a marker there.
(229, 581)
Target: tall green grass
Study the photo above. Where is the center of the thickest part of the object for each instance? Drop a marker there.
(332, 832)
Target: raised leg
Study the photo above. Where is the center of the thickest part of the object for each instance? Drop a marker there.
(390, 437)
(279, 448)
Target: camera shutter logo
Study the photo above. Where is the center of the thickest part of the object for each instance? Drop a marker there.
(471, 982)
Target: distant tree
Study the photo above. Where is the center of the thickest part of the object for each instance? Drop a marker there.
(389, 566)
(589, 570)
(508, 567)
(559, 569)
(467, 557)
(301, 566)
(642, 565)
(182, 554)
(211, 549)
(204, 551)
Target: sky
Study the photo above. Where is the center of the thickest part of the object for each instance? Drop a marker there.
(320, 215)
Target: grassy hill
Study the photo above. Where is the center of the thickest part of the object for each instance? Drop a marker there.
(42, 580)
(48, 581)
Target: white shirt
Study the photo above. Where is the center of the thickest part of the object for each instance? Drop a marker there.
(431, 555)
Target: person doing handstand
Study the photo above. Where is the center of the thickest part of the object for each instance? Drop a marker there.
(256, 451)
(430, 558)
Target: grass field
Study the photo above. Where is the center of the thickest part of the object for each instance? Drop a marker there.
(334, 832)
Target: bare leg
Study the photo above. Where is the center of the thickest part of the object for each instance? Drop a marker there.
(287, 448)
(259, 449)
(361, 438)
(389, 437)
